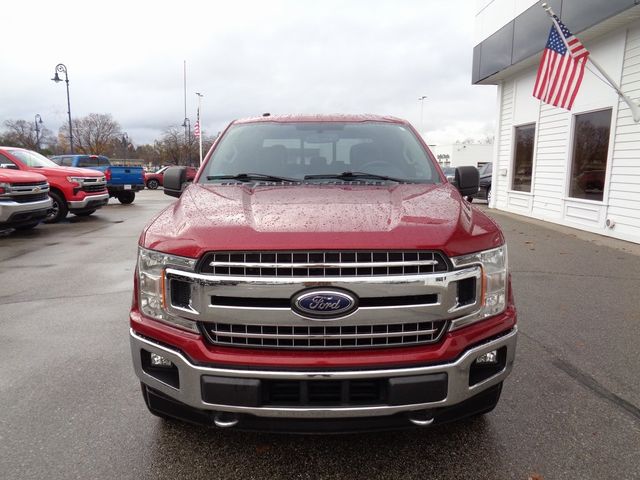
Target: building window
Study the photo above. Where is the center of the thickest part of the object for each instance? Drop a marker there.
(589, 162)
(523, 158)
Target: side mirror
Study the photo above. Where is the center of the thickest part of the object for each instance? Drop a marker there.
(174, 180)
(467, 180)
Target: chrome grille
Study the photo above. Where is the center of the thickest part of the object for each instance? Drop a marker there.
(324, 336)
(323, 263)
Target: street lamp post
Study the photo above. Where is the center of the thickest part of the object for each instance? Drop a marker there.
(421, 99)
(125, 144)
(63, 69)
(199, 124)
(187, 136)
(38, 122)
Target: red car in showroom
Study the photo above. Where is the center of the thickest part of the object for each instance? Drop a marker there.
(156, 179)
(77, 190)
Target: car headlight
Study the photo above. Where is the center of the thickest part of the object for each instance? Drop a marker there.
(152, 287)
(5, 188)
(494, 277)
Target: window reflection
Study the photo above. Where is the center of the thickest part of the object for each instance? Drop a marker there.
(523, 157)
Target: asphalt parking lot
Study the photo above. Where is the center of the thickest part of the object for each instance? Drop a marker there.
(70, 405)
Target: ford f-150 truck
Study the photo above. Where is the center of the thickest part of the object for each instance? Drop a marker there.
(321, 274)
(122, 181)
(77, 190)
(24, 199)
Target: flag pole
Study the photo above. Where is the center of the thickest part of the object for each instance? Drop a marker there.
(635, 110)
(200, 124)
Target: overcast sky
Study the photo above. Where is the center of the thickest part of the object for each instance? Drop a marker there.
(246, 57)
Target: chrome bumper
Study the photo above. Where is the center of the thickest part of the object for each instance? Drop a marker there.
(89, 199)
(190, 394)
(9, 208)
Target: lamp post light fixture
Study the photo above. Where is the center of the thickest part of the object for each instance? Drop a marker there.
(38, 122)
(61, 68)
(421, 99)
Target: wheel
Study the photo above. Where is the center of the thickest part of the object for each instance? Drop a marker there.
(489, 196)
(59, 208)
(126, 197)
(86, 213)
(27, 226)
(152, 184)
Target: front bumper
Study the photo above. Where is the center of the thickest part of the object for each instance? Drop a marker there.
(11, 211)
(90, 201)
(189, 388)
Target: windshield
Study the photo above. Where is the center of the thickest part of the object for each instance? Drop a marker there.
(320, 152)
(32, 159)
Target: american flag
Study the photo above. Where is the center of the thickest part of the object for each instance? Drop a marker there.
(561, 69)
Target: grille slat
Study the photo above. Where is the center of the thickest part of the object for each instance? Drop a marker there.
(319, 337)
(323, 263)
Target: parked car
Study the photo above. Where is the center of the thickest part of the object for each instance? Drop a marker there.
(122, 181)
(154, 180)
(344, 287)
(484, 190)
(77, 190)
(24, 199)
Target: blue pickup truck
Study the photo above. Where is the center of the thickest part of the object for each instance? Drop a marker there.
(122, 181)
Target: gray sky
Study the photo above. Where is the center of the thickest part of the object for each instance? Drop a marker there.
(247, 57)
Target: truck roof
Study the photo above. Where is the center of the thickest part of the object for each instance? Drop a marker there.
(320, 118)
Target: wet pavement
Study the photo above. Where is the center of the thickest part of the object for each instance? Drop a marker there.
(70, 405)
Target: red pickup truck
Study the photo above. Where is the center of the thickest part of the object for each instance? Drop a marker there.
(321, 274)
(80, 191)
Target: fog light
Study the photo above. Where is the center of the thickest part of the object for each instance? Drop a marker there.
(160, 361)
(489, 358)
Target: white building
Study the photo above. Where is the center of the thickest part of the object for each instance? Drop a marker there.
(579, 168)
(463, 154)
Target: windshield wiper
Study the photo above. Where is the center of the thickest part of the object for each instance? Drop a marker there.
(355, 175)
(249, 177)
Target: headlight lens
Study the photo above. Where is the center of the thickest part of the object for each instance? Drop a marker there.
(76, 180)
(494, 283)
(151, 285)
(5, 188)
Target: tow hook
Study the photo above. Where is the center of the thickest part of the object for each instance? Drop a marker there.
(225, 420)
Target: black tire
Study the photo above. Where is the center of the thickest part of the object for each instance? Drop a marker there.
(59, 208)
(86, 213)
(27, 226)
(152, 184)
(126, 197)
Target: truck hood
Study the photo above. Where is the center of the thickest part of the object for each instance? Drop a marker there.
(320, 217)
(18, 176)
(68, 172)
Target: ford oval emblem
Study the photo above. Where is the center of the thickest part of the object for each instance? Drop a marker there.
(323, 304)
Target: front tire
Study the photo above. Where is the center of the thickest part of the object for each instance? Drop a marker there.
(126, 197)
(152, 184)
(59, 208)
(489, 196)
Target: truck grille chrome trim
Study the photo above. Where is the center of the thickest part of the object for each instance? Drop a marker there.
(324, 336)
(323, 263)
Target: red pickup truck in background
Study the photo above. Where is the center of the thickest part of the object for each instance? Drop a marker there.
(321, 274)
(77, 190)
(24, 199)
(155, 179)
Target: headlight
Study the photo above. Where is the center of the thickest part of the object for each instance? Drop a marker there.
(152, 288)
(494, 283)
(5, 188)
(77, 181)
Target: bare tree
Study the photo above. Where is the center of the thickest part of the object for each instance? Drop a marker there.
(22, 133)
(94, 134)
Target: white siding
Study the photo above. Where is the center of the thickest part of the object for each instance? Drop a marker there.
(624, 186)
(503, 146)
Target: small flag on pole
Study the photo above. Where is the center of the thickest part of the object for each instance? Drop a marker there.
(561, 68)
